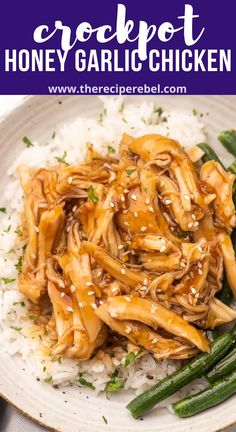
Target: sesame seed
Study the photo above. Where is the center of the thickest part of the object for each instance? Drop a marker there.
(133, 196)
(112, 204)
(62, 294)
(151, 209)
(191, 275)
(126, 191)
(74, 208)
(81, 304)
(154, 340)
(128, 329)
(200, 265)
(153, 309)
(61, 284)
(70, 179)
(193, 290)
(114, 315)
(114, 290)
(143, 229)
(89, 283)
(122, 270)
(162, 183)
(182, 264)
(145, 282)
(126, 223)
(70, 309)
(143, 288)
(200, 249)
(125, 211)
(94, 306)
(90, 293)
(128, 299)
(193, 217)
(36, 229)
(196, 224)
(162, 248)
(135, 214)
(162, 241)
(99, 273)
(200, 271)
(122, 198)
(190, 224)
(101, 302)
(187, 197)
(197, 295)
(168, 201)
(73, 288)
(120, 247)
(147, 201)
(133, 252)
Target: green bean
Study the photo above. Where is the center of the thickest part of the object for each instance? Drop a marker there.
(196, 368)
(223, 368)
(209, 153)
(208, 398)
(228, 139)
(225, 295)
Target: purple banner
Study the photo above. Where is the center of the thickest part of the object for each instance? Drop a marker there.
(111, 47)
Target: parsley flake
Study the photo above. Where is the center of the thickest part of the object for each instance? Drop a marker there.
(91, 195)
(27, 142)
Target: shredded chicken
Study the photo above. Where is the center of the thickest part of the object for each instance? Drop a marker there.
(133, 247)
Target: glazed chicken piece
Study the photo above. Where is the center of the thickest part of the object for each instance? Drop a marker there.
(155, 315)
(144, 336)
(137, 245)
(43, 239)
(221, 183)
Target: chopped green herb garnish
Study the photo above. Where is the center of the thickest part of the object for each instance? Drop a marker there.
(91, 195)
(32, 317)
(3, 210)
(102, 115)
(114, 385)
(194, 112)
(16, 328)
(22, 303)
(44, 369)
(62, 159)
(12, 250)
(130, 171)
(130, 358)
(124, 120)
(126, 247)
(7, 229)
(145, 189)
(122, 108)
(159, 111)
(27, 142)
(18, 231)
(8, 280)
(104, 419)
(85, 383)
(114, 374)
(130, 153)
(18, 265)
(48, 380)
(53, 134)
(110, 149)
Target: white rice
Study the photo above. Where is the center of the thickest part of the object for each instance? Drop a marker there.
(72, 138)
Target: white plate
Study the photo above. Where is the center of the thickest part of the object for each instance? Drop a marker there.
(38, 117)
